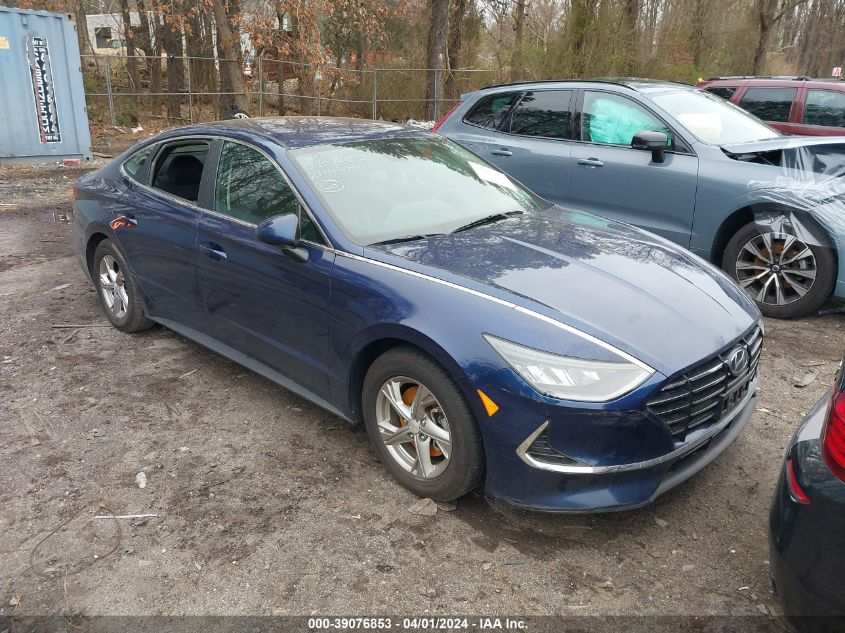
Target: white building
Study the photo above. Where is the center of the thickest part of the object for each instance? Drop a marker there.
(105, 31)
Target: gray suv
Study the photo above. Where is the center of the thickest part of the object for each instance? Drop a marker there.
(769, 209)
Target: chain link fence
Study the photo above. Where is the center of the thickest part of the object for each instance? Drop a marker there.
(123, 90)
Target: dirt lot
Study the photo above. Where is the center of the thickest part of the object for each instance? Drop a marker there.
(268, 505)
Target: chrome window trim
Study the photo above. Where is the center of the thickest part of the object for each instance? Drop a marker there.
(508, 304)
(328, 246)
(522, 449)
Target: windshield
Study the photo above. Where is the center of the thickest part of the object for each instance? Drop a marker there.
(393, 188)
(712, 119)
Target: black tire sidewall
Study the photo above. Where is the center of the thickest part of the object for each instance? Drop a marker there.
(135, 319)
(818, 294)
(466, 461)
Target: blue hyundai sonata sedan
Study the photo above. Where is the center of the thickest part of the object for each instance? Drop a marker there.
(482, 335)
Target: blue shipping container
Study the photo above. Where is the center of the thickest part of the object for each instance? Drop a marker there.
(42, 99)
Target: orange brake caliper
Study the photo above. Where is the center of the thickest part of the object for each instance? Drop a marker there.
(408, 398)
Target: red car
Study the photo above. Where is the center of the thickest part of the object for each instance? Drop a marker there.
(793, 105)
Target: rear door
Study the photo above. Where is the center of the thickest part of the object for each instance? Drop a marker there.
(535, 143)
(613, 180)
(775, 105)
(526, 135)
(822, 112)
(260, 301)
(156, 225)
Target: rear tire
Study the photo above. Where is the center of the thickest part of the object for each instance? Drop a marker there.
(450, 461)
(785, 277)
(117, 289)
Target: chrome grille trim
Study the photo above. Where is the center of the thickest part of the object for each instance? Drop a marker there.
(702, 394)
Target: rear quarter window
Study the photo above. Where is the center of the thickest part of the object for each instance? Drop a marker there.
(137, 165)
(726, 92)
(825, 107)
(491, 110)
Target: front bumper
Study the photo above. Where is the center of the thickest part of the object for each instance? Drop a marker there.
(515, 476)
(807, 541)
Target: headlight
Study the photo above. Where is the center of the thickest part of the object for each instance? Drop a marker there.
(570, 378)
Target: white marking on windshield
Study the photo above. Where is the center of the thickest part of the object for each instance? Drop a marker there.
(492, 176)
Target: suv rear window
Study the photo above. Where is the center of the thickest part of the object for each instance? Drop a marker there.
(726, 92)
(490, 111)
(769, 104)
(825, 107)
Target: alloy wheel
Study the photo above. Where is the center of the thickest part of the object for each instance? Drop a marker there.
(413, 427)
(113, 286)
(776, 268)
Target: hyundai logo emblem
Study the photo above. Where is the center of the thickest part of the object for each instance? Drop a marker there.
(737, 360)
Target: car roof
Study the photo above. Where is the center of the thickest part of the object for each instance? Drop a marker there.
(636, 84)
(300, 131)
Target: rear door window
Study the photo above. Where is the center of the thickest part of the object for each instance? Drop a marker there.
(825, 107)
(726, 92)
(769, 104)
(491, 110)
(543, 113)
(178, 169)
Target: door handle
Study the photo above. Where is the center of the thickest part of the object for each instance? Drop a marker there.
(502, 151)
(214, 251)
(126, 220)
(590, 162)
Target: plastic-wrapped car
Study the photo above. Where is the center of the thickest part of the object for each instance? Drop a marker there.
(769, 209)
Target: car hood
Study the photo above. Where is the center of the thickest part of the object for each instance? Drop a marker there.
(782, 142)
(630, 288)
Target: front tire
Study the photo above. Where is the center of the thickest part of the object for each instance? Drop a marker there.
(421, 425)
(117, 289)
(785, 276)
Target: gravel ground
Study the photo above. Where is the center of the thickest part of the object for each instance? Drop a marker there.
(266, 504)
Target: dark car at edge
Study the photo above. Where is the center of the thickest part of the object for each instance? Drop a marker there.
(807, 519)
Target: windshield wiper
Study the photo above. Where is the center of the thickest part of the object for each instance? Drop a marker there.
(488, 219)
(407, 238)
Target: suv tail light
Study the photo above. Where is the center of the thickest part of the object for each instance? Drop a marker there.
(444, 117)
(833, 436)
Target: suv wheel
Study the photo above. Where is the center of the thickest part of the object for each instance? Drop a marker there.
(785, 276)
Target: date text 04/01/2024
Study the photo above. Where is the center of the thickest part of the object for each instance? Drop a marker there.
(416, 624)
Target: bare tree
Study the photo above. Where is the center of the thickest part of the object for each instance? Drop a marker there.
(456, 30)
(517, 67)
(230, 48)
(131, 60)
(437, 41)
(768, 14)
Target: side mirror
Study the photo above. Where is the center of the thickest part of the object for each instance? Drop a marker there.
(655, 142)
(283, 230)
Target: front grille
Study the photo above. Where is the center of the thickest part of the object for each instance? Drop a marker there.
(708, 391)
